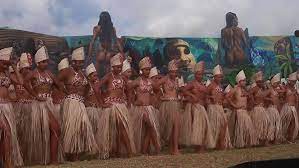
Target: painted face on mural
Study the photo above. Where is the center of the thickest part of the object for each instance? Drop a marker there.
(182, 52)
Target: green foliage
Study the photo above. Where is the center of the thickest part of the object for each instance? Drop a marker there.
(287, 64)
(249, 72)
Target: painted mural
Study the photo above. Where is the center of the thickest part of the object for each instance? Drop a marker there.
(271, 54)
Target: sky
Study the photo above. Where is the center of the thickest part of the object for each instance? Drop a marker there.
(151, 18)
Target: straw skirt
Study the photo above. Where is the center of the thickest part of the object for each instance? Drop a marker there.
(288, 115)
(244, 133)
(78, 136)
(275, 127)
(169, 115)
(139, 113)
(218, 121)
(7, 118)
(108, 132)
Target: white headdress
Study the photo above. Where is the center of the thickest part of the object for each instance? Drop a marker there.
(64, 63)
(5, 54)
(78, 54)
(275, 78)
(153, 72)
(90, 69)
(41, 55)
(240, 76)
(24, 62)
(217, 70)
(115, 60)
(126, 66)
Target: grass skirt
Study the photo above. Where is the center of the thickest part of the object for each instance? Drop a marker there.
(218, 120)
(288, 114)
(138, 113)
(7, 116)
(107, 128)
(39, 135)
(77, 133)
(169, 115)
(261, 122)
(244, 134)
(275, 129)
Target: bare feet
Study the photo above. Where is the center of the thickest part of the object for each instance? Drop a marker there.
(177, 152)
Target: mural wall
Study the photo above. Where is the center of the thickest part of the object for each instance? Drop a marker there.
(272, 54)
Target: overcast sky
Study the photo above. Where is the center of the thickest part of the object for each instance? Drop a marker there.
(159, 18)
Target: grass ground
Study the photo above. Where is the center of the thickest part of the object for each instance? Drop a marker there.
(188, 159)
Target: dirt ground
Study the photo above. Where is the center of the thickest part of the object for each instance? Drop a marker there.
(188, 159)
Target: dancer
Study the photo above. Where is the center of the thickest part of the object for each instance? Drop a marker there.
(275, 129)
(23, 107)
(244, 133)
(143, 113)
(44, 129)
(91, 99)
(9, 147)
(115, 124)
(170, 108)
(196, 124)
(259, 116)
(289, 115)
(78, 137)
(215, 111)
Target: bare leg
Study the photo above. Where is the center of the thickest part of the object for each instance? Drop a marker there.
(146, 143)
(54, 138)
(125, 137)
(174, 139)
(221, 140)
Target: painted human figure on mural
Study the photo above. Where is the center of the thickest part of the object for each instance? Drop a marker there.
(108, 44)
(233, 41)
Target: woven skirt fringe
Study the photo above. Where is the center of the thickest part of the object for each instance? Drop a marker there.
(39, 135)
(94, 117)
(138, 113)
(106, 135)
(186, 125)
(23, 119)
(7, 115)
(288, 114)
(275, 130)
(169, 115)
(260, 120)
(218, 121)
(244, 134)
(201, 128)
(77, 132)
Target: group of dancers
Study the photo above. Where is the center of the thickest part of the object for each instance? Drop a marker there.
(47, 118)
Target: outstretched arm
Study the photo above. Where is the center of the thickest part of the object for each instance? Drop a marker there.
(96, 31)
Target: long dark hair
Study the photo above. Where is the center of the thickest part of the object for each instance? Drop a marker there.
(29, 46)
(229, 17)
(106, 27)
